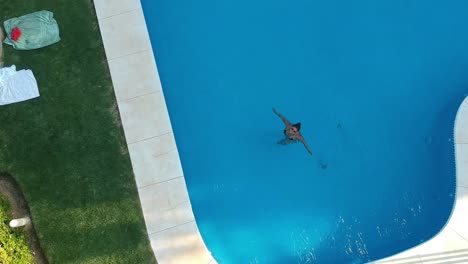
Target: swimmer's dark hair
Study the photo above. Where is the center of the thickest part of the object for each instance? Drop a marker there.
(297, 125)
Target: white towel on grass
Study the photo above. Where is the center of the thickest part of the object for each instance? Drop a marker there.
(17, 86)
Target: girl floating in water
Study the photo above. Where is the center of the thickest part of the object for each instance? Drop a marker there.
(291, 132)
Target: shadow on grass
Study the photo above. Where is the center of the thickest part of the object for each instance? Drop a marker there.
(91, 238)
(10, 189)
(106, 229)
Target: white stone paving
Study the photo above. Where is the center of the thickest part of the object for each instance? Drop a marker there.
(144, 117)
(450, 245)
(127, 72)
(169, 219)
(171, 226)
(124, 34)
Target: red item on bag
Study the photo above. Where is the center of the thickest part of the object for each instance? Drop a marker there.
(15, 34)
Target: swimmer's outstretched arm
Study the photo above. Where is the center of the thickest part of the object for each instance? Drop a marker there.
(305, 145)
(286, 122)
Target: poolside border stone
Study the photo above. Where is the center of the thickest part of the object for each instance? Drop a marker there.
(169, 219)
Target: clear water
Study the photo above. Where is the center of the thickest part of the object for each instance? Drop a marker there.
(376, 85)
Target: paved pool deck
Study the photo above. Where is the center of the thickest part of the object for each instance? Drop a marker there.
(170, 222)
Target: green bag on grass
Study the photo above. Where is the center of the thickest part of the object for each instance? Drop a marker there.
(35, 30)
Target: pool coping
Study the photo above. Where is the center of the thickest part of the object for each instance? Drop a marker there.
(170, 222)
(167, 211)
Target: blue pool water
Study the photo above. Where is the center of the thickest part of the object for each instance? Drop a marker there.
(376, 85)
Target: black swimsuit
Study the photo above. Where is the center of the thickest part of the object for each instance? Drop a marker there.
(286, 134)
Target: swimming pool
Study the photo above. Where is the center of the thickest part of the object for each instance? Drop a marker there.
(376, 87)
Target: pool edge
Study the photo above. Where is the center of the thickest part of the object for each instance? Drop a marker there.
(171, 226)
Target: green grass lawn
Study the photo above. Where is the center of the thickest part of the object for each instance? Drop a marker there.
(13, 246)
(66, 148)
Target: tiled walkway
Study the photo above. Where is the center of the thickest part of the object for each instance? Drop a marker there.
(171, 225)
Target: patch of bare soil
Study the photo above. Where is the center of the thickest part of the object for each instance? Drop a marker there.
(9, 189)
(1, 47)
